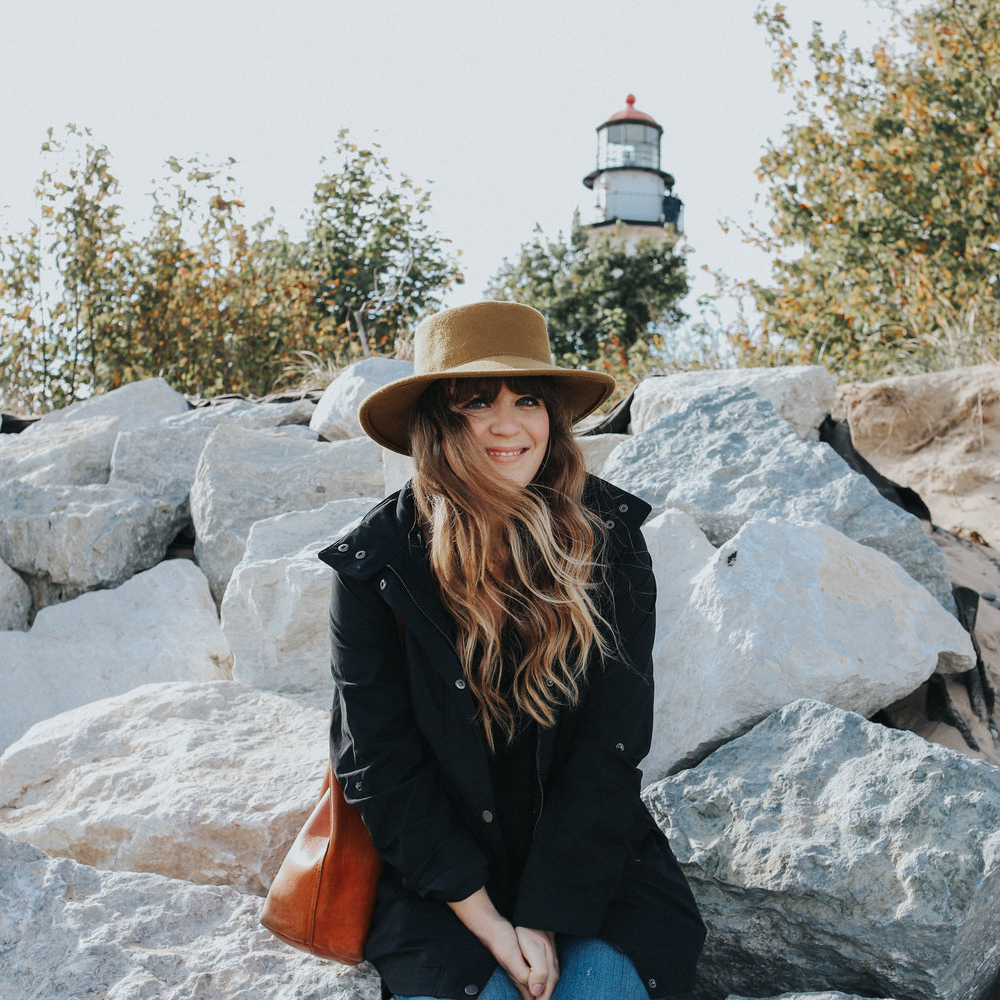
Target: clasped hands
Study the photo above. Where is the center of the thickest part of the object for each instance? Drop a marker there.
(528, 956)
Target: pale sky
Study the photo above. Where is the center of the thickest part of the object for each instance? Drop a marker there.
(496, 103)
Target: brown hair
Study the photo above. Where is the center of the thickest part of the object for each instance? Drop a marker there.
(516, 567)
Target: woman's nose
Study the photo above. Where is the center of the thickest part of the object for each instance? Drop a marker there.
(504, 419)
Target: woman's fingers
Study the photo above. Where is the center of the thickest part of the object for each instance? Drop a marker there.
(512, 962)
(538, 949)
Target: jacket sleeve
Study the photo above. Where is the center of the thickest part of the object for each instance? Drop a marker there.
(380, 757)
(591, 805)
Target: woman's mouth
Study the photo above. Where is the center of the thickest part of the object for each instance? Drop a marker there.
(505, 454)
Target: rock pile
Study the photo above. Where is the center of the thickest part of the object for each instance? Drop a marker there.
(165, 724)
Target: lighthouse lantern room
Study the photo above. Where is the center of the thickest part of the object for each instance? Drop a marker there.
(632, 191)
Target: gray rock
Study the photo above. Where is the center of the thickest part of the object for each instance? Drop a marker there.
(137, 404)
(825, 995)
(336, 414)
(827, 852)
(66, 540)
(246, 476)
(159, 626)
(74, 453)
(276, 609)
(680, 551)
(110, 783)
(398, 470)
(15, 600)
(803, 394)
(70, 931)
(731, 457)
(72, 446)
(785, 611)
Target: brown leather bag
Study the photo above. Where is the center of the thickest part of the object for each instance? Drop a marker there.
(323, 896)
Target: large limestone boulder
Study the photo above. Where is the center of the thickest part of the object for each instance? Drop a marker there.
(336, 414)
(597, 447)
(72, 446)
(73, 931)
(730, 457)
(824, 995)
(161, 625)
(827, 852)
(398, 470)
(137, 404)
(15, 600)
(161, 461)
(785, 611)
(207, 782)
(74, 453)
(276, 610)
(66, 540)
(245, 476)
(937, 433)
(803, 394)
(680, 551)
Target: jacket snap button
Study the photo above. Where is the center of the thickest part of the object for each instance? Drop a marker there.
(487, 816)
(652, 984)
(619, 746)
(357, 786)
(343, 547)
(360, 554)
(382, 584)
(471, 990)
(623, 508)
(609, 524)
(460, 684)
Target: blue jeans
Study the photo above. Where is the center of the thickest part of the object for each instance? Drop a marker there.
(590, 969)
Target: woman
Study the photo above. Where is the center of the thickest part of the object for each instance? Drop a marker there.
(492, 626)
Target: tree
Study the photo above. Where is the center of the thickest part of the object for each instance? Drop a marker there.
(202, 298)
(374, 263)
(884, 190)
(602, 299)
(64, 278)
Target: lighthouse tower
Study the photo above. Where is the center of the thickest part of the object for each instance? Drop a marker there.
(633, 194)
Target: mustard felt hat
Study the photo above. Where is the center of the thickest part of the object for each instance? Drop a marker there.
(491, 339)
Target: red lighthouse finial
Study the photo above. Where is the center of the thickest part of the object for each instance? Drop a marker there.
(630, 101)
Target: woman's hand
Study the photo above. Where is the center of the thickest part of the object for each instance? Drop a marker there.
(527, 956)
(539, 951)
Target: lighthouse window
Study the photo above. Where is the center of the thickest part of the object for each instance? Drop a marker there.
(628, 144)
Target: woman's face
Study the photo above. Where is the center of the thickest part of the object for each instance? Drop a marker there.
(513, 429)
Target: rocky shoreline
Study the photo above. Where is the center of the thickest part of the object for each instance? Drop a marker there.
(825, 746)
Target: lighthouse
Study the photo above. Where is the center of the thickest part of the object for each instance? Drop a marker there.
(635, 197)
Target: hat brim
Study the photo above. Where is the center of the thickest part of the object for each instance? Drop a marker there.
(385, 414)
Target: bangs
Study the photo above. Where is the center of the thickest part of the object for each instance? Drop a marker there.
(464, 389)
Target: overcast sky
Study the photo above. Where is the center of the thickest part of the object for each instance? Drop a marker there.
(496, 103)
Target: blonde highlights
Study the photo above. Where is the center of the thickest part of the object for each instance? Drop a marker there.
(516, 567)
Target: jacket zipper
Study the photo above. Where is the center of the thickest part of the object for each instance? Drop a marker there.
(421, 609)
(538, 775)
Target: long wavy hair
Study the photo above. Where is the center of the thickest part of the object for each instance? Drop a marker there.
(517, 567)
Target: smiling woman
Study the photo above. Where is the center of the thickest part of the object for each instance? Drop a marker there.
(492, 744)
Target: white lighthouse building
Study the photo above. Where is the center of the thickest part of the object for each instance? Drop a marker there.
(634, 196)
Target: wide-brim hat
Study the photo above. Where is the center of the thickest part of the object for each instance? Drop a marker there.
(485, 339)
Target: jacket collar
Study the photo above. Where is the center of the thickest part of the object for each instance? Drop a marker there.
(390, 528)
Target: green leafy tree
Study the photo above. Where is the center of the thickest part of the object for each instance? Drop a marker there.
(604, 301)
(884, 190)
(374, 262)
(203, 298)
(64, 279)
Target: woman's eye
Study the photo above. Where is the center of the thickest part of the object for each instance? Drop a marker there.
(529, 401)
(475, 404)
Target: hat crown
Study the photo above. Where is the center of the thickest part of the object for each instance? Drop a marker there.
(468, 334)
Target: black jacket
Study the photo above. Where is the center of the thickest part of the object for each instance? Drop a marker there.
(412, 758)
